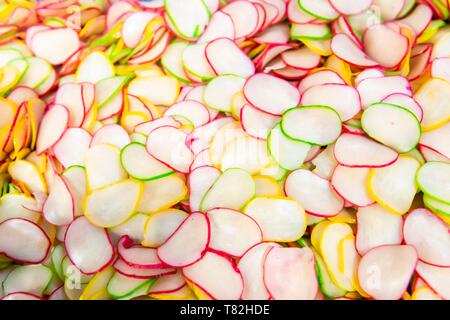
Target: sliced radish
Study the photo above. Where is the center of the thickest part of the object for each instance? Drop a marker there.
(429, 235)
(167, 144)
(244, 15)
(52, 127)
(23, 240)
(168, 284)
(161, 225)
(134, 27)
(387, 9)
(137, 256)
(59, 208)
(113, 204)
(351, 183)
(296, 14)
(233, 189)
(321, 9)
(302, 58)
(377, 227)
(124, 287)
(88, 247)
(201, 180)
(281, 220)
(276, 34)
(205, 272)
(318, 125)
(345, 48)
(353, 150)
(188, 243)
(290, 274)
(43, 44)
(436, 277)
(348, 8)
(32, 279)
(257, 123)
(343, 99)
(220, 91)
(201, 137)
(270, 94)
(140, 273)
(28, 174)
(433, 140)
(95, 67)
(195, 62)
(72, 146)
(232, 232)
(162, 90)
(407, 102)
(440, 69)
(225, 57)
(70, 95)
(21, 296)
(319, 78)
(111, 134)
(220, 26)
(19, 206)
(313, 193)
(433, 178)
(374, 90)
(419, 18)
(192, 110)
(188, 18)
(384, 272)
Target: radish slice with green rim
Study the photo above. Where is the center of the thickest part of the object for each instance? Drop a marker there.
(350, 184)
(38, 72)
(113, 204)
(251, 267)
(433, 179)
(233, 189)
(140, 273)
(43, 44)
(205, 272)
(95, 67)
(290, 274)
(288, 153)
(310, 31)
(140, 165)
(313, 193)
(33, 279)
(161, 225)
(345, 48)
(23, 240)
(136, 256)
(123, 287)
(270, 94)
(319, 78)
(298, 15)
(220, 26)
(220, 91)
(134, 26)
(321, 9)
(405, 101)
(280, 219)
(386, 56)
(52, 127)
(401, 128)
(232, 232)
(201, 180)
(429, 235)
(343, 99)
(188, 243)
(434, 139)
(244, 16)
(107, 88)
(59, 208)
(394, 186)
(302, 58)
(171, 60)
(352, 150)
(72, 146)
(376, 227)
(167, 144)
(318, 125)
(373, 90)
(257, 123)
(111, 134)
(225, 57)
(432, 96)
(385, 271)
(192, 110)
(348, 8)
(103, 167)
(88, 247)
(195, 62)
(436, 277)
(189, 18)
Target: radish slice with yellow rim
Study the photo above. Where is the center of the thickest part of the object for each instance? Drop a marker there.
(134, 27)
(313, 193)
(290, 273)
(433, 179)
(161, 225)
(394, 186)
(270, 94)
(59, 208)
(52, 127)
(232, 232)
(318, 125)
(188, 243)
(23, 240)
(18, 206)
(437, 278)
(102, 207)
(353, 150)
(384, 272)
(162, 90)
(440, 67)
(205, 272)
(72, 146)
(201, 180)
(28, 174)
(280, 219)
(350, 184)
(220, 91)
(88, 247)
(430, 236)
(236, 184)
(376, 227)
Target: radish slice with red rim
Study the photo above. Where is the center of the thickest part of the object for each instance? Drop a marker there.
(345, 48)
(419, 18)
(389, 10)
(314, 193)
(205, 272)
(257, 123)
(350, 184)
(136, 256)
(270, 94)
(298, 15)
(161, 225)
(348, 8)
(225, 57)
(376, 227)
(354, 150)
(367, 74)
(196, 112)
(319, 78)
(290, 273)
(244, 16)
(72, 146)
(434, 140)
(321, 9)
(220, 26)
(385, 271)
(59, 208)
(140, 273)
(430, 236)
(195, 62)
(23, 240)
(201, 180)
(88, 247)
(232, 232)
(437, 278)
(52, 128)
(21, 296)
(302, 58)
(188, 243)
(70, 95)
(168, 284)
(407, 102)
(276, 34)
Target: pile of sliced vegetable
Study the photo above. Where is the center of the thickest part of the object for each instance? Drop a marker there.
(206, 149)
